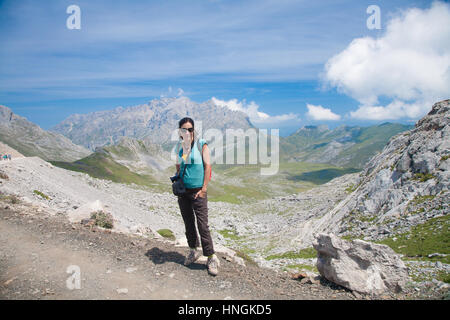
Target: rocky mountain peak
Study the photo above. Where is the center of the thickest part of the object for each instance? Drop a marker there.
(437, 118)
(155, 121)
(5, 114)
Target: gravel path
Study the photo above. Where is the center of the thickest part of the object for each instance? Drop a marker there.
(37, 248)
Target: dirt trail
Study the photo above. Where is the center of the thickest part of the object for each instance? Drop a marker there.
(36, 250)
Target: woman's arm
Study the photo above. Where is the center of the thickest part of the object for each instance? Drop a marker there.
(206, 162)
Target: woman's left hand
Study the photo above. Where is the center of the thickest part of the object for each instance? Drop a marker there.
(201, 193)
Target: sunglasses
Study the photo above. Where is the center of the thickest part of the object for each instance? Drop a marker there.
(187, 129)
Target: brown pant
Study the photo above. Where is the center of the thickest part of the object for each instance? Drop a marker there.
(191, 208)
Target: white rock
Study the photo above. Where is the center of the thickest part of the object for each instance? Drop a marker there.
(122, 291)
(359, 265)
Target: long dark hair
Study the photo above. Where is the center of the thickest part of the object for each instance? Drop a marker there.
(183, 121)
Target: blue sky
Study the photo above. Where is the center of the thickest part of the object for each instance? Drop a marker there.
(269, 54)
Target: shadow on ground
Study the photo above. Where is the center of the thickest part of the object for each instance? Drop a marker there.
(158, 256)
(322, 176)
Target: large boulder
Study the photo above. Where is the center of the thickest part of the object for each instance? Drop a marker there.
(360, 266)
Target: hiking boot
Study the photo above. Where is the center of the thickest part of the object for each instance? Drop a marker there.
(192, 257)
(213, 265)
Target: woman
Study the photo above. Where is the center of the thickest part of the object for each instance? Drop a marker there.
(194, 203)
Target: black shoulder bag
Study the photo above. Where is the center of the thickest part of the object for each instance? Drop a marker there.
(178, 187)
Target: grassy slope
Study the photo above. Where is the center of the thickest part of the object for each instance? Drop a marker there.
(26, 150)
(422, 240)
(291, 178)
(371, 140)
(99, 165)
(431, 237)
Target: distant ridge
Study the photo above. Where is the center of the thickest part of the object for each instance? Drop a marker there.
(349, 146)
(31, 140)
(5, 149)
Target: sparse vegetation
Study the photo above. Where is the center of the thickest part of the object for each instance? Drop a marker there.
(307, 253)
(421, 199)
(417, 201)
(229, 234)
(301, 267)
(421, 210)
(102, 219)
(418, 276)
(42, 195)
(366, 218)
(349, 237)
(167, 233)
(245, 256)
(3, 176)
(422, 177)
(350, 188)
(14, 199)
(102, 166)
(422, 240)
(443, 158)
(11, 198)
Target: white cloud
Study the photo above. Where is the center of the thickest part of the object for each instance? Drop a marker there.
(171, 93)
(321, 113)
(257, 117)
(409, 66)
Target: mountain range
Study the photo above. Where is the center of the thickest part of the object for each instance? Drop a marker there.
(124, 143)
(347, 146)
(155, 121)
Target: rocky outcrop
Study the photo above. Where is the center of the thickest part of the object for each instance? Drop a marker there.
(404, 185)
(407, 183)
(360, 266)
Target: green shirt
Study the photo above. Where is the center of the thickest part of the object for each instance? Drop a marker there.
(194, 173)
